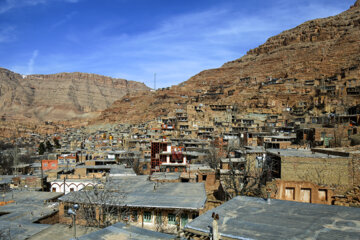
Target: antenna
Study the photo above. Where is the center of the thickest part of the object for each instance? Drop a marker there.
(154, 81)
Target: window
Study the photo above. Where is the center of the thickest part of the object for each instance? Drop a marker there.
(71, 189)
(89, 212)
(323, 134)
(147, 216)
(323, 195)
(171, 219)
(144, 167)
(66, 209)
(134, 216)
(204, 177)
(125, 216)
(53, 189)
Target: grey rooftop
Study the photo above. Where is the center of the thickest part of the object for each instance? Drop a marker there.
(252, 218)
(139, 192)
(300, 153)
(122, 231)
(158, 176)
(29, 207)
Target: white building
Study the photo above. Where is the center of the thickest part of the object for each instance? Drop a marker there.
(70, 185)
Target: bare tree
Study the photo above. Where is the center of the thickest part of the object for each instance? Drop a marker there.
(213, 157)
(245, 176)
(101, 206)
(5, 164)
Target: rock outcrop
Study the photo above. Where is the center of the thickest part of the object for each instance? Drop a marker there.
(62, 96)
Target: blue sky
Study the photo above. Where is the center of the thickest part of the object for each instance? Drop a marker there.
(133, 39)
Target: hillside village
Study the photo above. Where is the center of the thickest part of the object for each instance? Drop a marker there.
(224, 155)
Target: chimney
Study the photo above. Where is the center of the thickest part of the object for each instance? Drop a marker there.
(215, 226)
(268, 191)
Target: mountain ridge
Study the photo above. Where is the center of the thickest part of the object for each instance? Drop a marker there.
(60, 96)
(315, 50)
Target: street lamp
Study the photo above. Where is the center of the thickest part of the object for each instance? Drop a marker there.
(73, 214)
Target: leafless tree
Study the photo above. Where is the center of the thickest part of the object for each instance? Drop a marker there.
(245, 176)
(101, 206)
(213, 157)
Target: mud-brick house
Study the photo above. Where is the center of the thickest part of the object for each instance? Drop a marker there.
(310, 176)
(166, 207)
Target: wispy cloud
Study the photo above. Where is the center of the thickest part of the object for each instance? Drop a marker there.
(7, 33)
(7, 5)
(64, 20)
(31, 62)
(177, 47)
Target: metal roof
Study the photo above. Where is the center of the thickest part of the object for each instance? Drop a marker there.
(123, 231)
(300, 153)
(252, 218)
(28, 208)
(139, 192)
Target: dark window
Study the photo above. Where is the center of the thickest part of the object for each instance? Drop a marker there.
(171, 219)
(66, 209)
(204, 177)
(147, 216)
(134, 216)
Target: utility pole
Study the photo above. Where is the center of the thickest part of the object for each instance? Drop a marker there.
(42, 175)
(154, 81)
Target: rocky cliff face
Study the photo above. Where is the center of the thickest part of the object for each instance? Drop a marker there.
(317, 49)
(61, 96)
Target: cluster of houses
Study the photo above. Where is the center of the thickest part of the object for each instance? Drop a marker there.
(191, 173)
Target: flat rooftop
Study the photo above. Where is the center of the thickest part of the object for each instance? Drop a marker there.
(122, 231)
(300, 153)
(139, 192)
(158, 176)
(30, 206)
(252, 218)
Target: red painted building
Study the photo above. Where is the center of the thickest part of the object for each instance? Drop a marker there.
(167, 158)
(49, 164)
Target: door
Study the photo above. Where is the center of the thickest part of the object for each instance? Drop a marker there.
(184, 219)
(158, 219)
(305, 195)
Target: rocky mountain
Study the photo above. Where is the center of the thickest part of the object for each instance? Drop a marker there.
(324, 51)
(62, 96)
